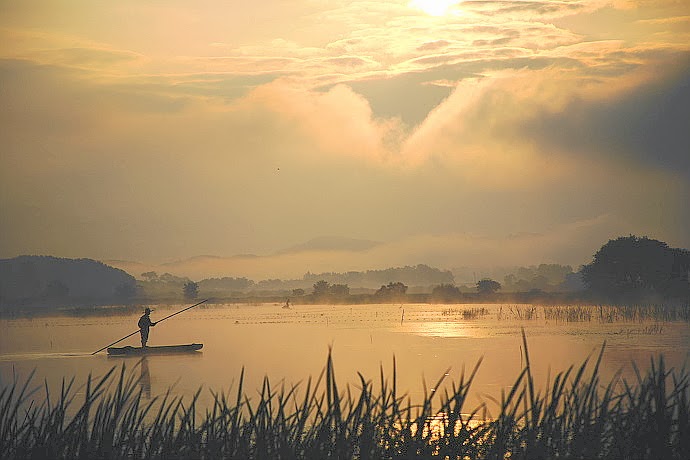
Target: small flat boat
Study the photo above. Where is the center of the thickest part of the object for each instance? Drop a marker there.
(162, 350)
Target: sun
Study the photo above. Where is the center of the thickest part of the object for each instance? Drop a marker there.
(433, 7)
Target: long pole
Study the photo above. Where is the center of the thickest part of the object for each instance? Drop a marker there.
(130, 335)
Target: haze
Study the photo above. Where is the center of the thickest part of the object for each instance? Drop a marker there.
(450, 133)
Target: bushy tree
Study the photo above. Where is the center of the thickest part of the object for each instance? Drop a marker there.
(446, 293)
(487, 286)
(150, 276)
(324, 290)
(191, 290)
(339, 290)
(321, 288)
(392, 291)
(635, 268)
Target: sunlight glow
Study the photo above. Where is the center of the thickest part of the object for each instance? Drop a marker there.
(444, 329)
(433, 7)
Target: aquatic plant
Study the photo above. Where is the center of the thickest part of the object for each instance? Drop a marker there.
(573, 416)
(613, 313)
(466, 313)
(522, 312)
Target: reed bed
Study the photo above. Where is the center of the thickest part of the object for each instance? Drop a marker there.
(466, 313)
(574, 416)
(615, 313)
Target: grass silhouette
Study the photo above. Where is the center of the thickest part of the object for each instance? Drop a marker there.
(574, 416)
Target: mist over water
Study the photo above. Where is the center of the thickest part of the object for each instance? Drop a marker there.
(291, 345)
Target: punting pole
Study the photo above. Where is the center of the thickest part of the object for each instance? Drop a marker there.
(130, 335)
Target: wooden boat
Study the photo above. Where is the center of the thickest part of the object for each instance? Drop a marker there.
(166, 349)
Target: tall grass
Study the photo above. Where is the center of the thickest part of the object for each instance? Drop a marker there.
(573, 416)
(465, 313)
(614, 313)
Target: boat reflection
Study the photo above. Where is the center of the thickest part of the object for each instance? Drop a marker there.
(163, 365)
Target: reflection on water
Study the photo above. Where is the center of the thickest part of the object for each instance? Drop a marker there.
(145, 377)
(290, 345)
(439, 329)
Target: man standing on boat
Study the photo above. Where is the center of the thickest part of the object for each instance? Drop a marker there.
(144, 324)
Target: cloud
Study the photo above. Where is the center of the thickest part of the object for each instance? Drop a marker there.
(282, 163)
(649, 123)
(433, 45)
(368, 120)
(544, 9)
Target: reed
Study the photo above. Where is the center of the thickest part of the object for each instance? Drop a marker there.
(657, 313)
(524, 312)
(573, 416)
(466, 313)
(569, 313)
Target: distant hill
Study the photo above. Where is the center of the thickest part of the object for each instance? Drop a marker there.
(52, 280)
(318, 254)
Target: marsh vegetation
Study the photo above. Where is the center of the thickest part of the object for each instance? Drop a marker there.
(625, 401)
(576, 415)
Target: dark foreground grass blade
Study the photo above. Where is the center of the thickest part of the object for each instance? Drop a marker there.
(574, 416)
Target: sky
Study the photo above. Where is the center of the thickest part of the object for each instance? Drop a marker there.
(450, 133)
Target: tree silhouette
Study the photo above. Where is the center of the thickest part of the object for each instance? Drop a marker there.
(487, 286)
(392, 291)
(191, 290)
(446, 293)
(321, 288)
(339, 290)
(635, 268)
(150, 276)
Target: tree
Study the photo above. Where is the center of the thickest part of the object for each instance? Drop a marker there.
(321, 288)
(635, 268)
(487, 286)
(191, 290)
(392, 291)
(324, 290)
(150, 276)
(446, 293)
(339, 290)
(172, 279)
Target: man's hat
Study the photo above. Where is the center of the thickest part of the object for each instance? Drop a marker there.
(148, 310)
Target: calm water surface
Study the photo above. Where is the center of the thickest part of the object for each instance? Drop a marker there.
(289, 346)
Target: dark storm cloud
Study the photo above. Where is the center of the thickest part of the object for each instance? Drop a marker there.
(650, 125)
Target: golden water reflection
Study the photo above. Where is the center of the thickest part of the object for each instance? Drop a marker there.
(444, 329)
(290, 345)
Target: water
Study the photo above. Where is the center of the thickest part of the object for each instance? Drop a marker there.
(288, 346)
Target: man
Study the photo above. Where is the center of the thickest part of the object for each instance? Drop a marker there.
(144, 324)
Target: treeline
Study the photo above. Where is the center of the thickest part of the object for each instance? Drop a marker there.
(544, 277)
(422, 277)
(419, 281)
(419, 275)
(627, 269)
(52, 281)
